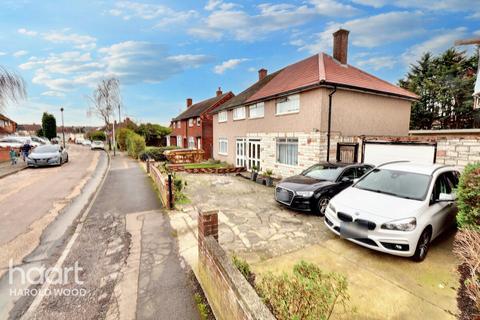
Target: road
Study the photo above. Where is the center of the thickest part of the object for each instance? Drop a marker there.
(123, 244)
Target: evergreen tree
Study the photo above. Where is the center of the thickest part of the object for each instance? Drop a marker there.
(49, 125)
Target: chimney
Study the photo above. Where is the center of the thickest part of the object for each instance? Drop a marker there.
(262, 73)
(189, 102)
(340, 45)
(219, 92)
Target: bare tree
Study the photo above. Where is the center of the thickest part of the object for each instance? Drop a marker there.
(105, 99)
(12, 87)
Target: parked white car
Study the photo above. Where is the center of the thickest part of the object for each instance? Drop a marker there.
(397, 208)
(97, 144)
(10, 142)
(86, 142)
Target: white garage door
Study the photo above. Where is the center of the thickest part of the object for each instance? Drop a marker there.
(378, 153)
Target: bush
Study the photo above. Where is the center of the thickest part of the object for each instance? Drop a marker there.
(135, 144)
(96, 135)
(121, 137)
(468, 198)
(244, 268)
(308, 294)
(155, 153)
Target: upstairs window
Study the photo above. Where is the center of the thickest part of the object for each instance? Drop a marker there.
(239, 113)
(256, 110)
(190, 122)
(290, 104)
(179, 124)
(222, 116)
(173, 125)
(198, 122)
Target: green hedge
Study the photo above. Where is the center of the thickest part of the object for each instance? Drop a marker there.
(121, 137)
(468, 197)
(135, 144)
(155, 153)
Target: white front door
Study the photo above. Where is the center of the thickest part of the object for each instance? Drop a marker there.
(240, 152)
(253, 154)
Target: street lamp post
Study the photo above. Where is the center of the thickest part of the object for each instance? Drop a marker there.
(63, 128)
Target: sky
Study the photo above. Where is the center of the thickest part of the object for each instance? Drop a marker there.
(166, 51)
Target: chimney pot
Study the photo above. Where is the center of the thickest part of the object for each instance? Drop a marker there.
(340, 45)
(219, 92)
(189, 102)
(262, 73)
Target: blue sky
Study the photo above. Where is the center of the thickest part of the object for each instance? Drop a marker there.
(166, 51)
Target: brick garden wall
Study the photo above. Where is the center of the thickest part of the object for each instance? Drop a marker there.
(230, 295)
(161, 181)
(458, 151)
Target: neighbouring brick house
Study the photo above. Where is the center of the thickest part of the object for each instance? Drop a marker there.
(7, 126)
(282, 121)
(193, 128)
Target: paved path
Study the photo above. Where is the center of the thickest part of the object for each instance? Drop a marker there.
(128, 254)
(6, 168)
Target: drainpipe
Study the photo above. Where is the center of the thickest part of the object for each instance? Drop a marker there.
(330, 121)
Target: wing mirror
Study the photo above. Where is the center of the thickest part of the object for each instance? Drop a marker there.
(442, 197)
(356, 180)
(346, 179)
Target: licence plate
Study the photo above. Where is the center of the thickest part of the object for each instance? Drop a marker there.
(353, 230)
(283, 195)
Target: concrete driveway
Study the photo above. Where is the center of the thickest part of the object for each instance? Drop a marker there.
(273, 238)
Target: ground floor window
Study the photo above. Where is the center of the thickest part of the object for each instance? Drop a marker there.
(287, 151)
(223, 146)
(179, 141)
(191, 143)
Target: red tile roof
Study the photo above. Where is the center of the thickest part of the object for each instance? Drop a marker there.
(322, 69)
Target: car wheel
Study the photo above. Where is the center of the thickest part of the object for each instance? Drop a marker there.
(322, 205)
(423, 245)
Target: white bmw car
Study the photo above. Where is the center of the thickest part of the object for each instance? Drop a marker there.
(397, 208)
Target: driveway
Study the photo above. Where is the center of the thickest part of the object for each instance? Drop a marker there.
(273, 238)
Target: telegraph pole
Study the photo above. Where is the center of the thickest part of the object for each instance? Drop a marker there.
(63, 128)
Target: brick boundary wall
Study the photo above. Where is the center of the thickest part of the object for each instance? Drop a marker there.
(230, 295)
(161, 181)
(5, 154)
(181, 168)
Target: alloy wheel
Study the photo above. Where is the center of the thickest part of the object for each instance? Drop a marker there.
(322, 204)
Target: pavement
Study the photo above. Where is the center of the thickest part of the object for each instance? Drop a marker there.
(128, 256)
(6, 168)
(272, 239)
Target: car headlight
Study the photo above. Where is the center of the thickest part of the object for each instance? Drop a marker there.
(408, 224)
(305, 194)
(332, 207)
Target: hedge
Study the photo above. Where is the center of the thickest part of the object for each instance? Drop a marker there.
(121, 136)
(135, 144)
(468, 198)
(155, 153)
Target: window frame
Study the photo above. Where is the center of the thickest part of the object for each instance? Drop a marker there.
(220, 141)
(198, 121)
(191, 139)
(190, 122)
(243, 116)
(292, 141)
(220, 114)
(256, 106)
(287, 99)
(179, 124)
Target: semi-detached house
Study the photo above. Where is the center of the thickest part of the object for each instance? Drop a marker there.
(282, 121)
(193, 127)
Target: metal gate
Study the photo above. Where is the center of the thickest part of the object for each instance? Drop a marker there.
(347, 152)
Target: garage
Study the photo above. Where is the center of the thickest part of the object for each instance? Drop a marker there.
(378, 152)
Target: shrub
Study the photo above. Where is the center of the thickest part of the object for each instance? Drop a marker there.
(96, 135)
(135, 144)
(121, 137)
(244, 268)
(308, 294)
(155, 153)
(468, 198)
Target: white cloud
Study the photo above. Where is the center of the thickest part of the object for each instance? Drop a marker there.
(219, 4)
(394, 26)
(163, 15)
(53, 94)
(130, 61)
(371, 3)
(83, 42)
(27, 32)
(377, 63)
(20, 53)
(2, 53)
(229, 19)
(334, 8)
(227, 65)
(444, 40)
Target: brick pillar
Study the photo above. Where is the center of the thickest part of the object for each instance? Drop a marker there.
(207, 226)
